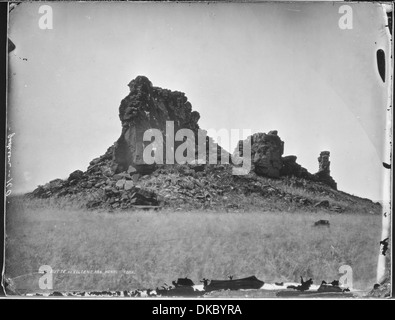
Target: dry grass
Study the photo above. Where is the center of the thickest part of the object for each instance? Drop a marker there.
(147, 249)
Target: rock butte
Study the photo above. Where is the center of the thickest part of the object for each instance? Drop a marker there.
(147, 107)
(114, 179)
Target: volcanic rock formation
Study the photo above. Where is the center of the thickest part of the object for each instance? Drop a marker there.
(291, 168)
(147, 107)
(266, 152)
(267, 160)
(323, 174)
(120, 178)
(144, 108)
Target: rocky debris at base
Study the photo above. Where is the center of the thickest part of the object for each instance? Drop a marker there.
(187, 187)
(100, 187)
(322, 204)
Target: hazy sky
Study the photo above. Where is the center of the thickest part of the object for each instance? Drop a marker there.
(263, 66)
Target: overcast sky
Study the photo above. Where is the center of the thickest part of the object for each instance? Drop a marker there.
(263, 66)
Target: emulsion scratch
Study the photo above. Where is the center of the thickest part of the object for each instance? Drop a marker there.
(9, 154)
(386, 219)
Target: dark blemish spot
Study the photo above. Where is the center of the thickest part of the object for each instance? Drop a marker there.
(384, 243)
(386, 165)
(11, 46)
(381, 63)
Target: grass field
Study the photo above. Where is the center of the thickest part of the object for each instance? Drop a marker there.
(146, 249)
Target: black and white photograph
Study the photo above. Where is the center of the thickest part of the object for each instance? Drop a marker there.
(198, 150)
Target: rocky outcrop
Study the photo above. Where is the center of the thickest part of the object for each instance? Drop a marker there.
(267, 160)
(148, 107)
(99, 187)
(291, 168)
(323, 162)
(323, 174)
(120, 178)
(266, 152)
(113, 179)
